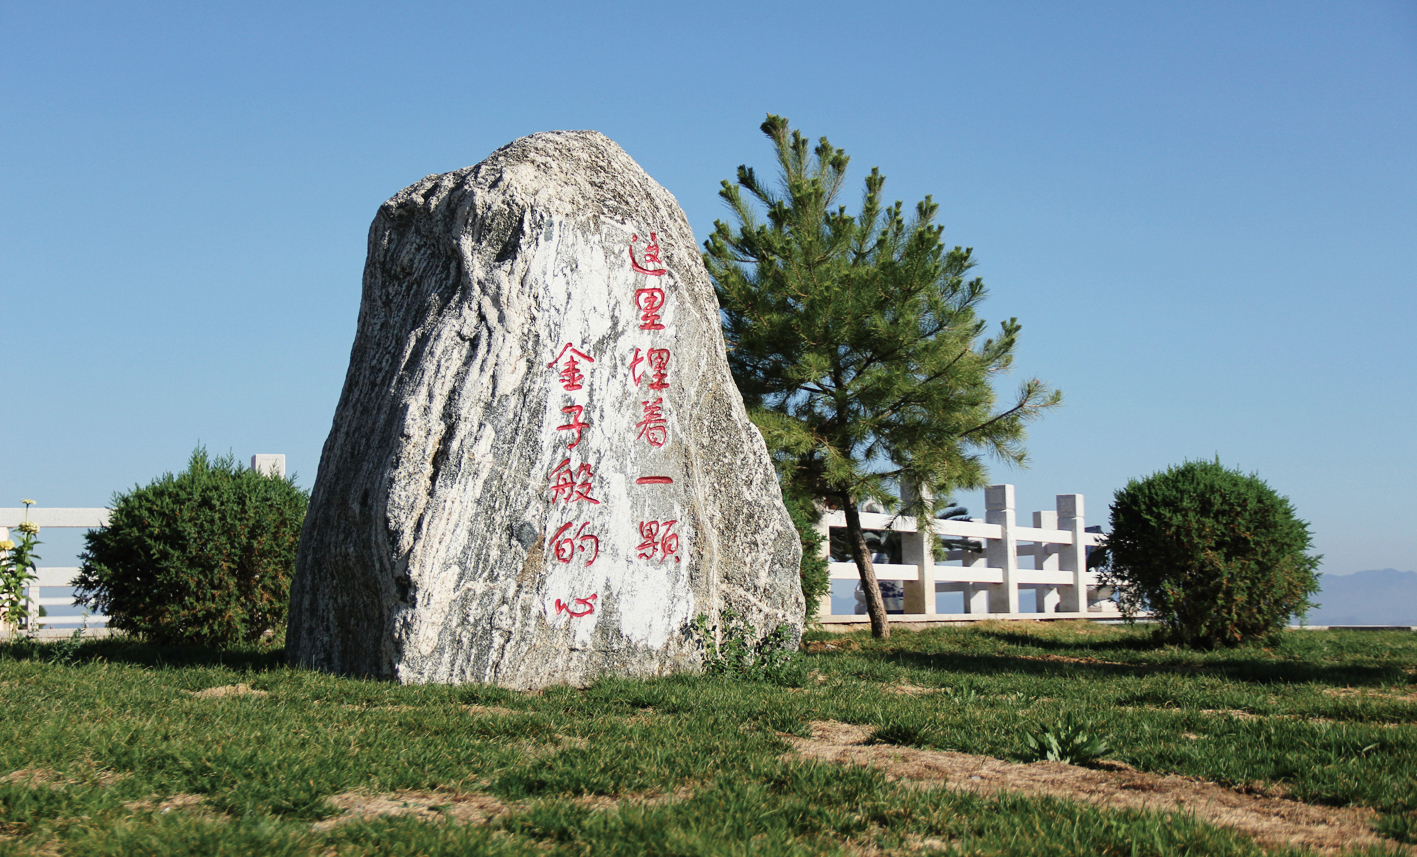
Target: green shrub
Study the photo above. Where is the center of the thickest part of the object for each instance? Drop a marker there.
(203, 557)
(1217, 556)
(813, 572)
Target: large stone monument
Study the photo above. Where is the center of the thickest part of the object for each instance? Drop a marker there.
(540, 471)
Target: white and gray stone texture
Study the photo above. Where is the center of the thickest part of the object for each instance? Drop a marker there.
(540, 471)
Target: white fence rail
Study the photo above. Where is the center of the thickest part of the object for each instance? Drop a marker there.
(992, 580)
(52, 577)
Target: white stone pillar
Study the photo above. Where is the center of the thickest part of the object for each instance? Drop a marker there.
(917, 550)
(1046, 558)
(272, 464)
(1002, 553)
(1073, 557)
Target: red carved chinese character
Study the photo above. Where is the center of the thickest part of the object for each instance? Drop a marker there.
(571, 487)
(654, 480)
(651, 256)
(587, 606)
(570, 375)
(654, 428)
(657, 537)
(658, 359)
(574, 425)
(566, 548)
(650, 301)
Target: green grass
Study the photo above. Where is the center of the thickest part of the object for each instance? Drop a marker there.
(694, 764)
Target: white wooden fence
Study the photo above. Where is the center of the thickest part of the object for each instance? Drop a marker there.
(51, 577)
(992, 580)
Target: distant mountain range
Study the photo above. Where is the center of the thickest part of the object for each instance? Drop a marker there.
(1385, 597)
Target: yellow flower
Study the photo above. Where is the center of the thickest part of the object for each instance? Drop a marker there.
(28, 502)
(6, 545)
(28, 527)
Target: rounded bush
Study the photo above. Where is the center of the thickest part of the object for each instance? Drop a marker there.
(1217, 556)
(204, 557)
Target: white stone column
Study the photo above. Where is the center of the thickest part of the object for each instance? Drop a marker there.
(1046, 558)
(917, 550)
(271, 464)
(1073, 557)
(976, 595)
(1002, 553)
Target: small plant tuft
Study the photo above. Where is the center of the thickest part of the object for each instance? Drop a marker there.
(739, 651)
(1070, 740)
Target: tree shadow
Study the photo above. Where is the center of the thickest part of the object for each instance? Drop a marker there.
(1129, 644)
(1230, 669)
(136, 652)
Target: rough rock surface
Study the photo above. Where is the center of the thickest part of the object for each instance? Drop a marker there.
(540, 471)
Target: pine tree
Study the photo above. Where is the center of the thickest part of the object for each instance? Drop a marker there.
(855, 342)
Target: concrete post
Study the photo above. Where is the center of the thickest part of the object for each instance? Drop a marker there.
(1046, 558)
(976, 595)
(269, 463)
(1073, 557)
(1002, 553)
(917, 550)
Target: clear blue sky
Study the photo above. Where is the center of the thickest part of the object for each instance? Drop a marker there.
(1204, 214)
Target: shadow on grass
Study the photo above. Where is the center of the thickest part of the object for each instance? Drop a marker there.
(1123, 644)
(135, 652)
(1230, 669)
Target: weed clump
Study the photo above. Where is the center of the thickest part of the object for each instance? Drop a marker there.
(204, 557)
(1217, 556)
(1070, 740)
(738, 651)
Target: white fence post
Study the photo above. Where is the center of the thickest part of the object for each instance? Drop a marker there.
(1003, 552)
(1045, 557)
(1073, 557)
(976, 595)
(271, 464)
(917, 549)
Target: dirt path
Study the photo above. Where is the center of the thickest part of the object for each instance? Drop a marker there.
(1271, 821)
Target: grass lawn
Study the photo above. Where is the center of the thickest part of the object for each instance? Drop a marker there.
(115, 747)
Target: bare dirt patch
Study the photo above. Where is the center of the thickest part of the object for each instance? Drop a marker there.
(652, 797)
(817, 646)
(911, 690)
(1383, 695)
(463, 808)
(177, 801)
(425, 806)
(228, 690)
(1068, 659)
(1271, 820)
(46, 778)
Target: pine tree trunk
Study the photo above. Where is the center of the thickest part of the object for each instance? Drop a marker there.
(875, 605)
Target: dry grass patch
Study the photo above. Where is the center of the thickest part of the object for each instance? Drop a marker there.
(177, 801)
(1369, 693)
(48, 778)
(425, 806)
(228, 690)
(1272, 821)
